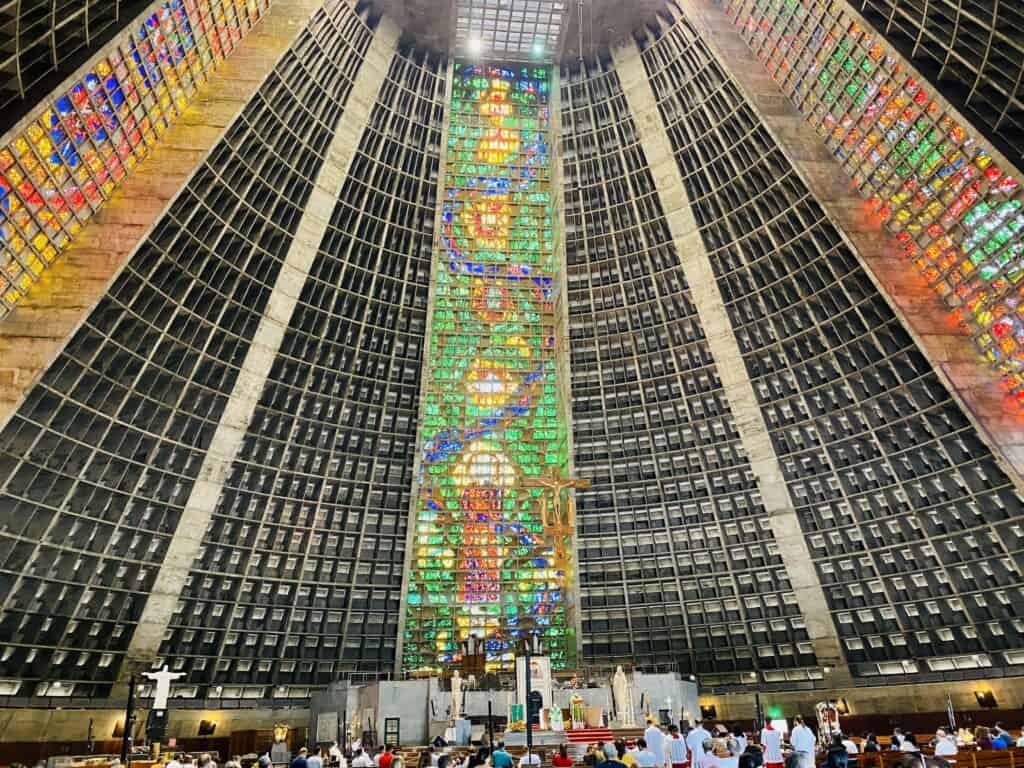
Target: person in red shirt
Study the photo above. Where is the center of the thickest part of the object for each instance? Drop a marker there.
(387, 757)
(562, 759)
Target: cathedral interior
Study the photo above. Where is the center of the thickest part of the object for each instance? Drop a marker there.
(684, 336)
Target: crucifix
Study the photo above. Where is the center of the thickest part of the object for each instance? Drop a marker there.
(162, 679)
(556, 483)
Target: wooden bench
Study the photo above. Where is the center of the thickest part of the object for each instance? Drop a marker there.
(966, 758)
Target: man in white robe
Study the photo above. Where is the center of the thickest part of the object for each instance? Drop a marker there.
(695, 742)
(655, 742)
(804, 742)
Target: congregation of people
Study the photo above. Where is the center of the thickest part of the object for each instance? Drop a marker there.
(703, 745)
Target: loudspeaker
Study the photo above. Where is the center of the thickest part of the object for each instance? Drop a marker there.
(207, 727)
(986, 699)
(709, 712)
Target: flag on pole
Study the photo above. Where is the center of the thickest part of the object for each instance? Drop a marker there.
(950, 713)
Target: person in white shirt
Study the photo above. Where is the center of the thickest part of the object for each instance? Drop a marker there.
(850, 745)
(530, 758)
(313, 761)
(909, 743)
(741, 739)
(695, 741)
(708, 758)
(645, 757)
(655, 740)
(804, 741)
(174, 762)
(675, 748)
(771, 743)
(945, 746)
(1020, 741)
(361, 760)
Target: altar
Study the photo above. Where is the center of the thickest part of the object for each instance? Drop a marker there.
(423, 707)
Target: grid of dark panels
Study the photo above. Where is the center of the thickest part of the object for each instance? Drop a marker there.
(678, 568)
(38, 37)
(512, 29)
(99, 460)
(299, 578)
(973, 50)
(915, 531)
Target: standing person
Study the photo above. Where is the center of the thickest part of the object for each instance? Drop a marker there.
(387, 757)
(562, 759)
(655, 740)
(695, 742)
(313, 761)
(500, 758)
(675, 749)
(741, 738)
(804, 741)
(771, 743)
(299, 760)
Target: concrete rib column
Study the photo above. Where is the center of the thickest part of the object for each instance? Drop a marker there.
(252, 378)
(37, 329)
(721, 341)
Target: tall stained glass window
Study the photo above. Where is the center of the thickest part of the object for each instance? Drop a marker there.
(492, 552)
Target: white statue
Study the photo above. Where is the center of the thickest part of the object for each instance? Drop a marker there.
(456, 695)
(623, 699)
(163, 680)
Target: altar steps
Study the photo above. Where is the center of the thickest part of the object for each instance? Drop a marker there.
(589, 735)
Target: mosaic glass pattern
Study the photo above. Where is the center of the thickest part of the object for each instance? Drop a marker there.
(956, 212)
(492, 549)
(57, 171)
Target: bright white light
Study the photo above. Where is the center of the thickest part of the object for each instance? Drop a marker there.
(538, 49)
(475, 45)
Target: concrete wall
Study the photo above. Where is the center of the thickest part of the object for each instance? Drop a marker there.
(661, 688)
(42, 725)
(891, 699)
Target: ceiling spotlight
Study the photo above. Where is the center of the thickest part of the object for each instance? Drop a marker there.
(475, 45)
